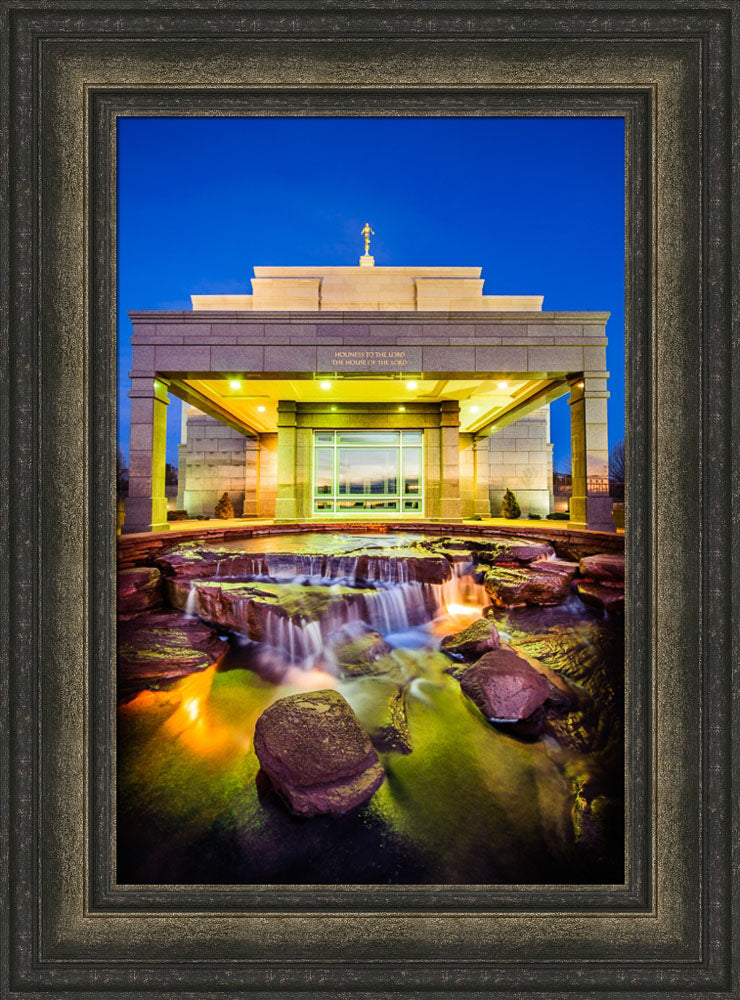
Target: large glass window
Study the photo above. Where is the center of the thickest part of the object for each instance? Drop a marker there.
(367, 472)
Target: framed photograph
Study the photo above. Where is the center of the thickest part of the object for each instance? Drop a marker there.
(367, 477)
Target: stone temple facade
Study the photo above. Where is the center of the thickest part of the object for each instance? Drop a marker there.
(355, 393)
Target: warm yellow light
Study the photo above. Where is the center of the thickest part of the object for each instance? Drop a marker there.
(334, 409)
(412, 385)
(261, 409)
(235, 385)
(462, 610)
(401, 409)
(580, 385)
(474, 409)
(503, 385)
(324, 385)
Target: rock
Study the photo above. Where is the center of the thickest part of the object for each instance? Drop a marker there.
(257, 609)
(380, 705)
(138, 590)
(363, 655)
(523, 552)
(606, 567)
(191, 561)
(513, 587)
(316, 753)
(158, 648)
(475, 640)
(609, 599)
(505, 687)
(561, 567)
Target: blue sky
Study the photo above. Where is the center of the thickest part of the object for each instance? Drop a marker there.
(538, 203)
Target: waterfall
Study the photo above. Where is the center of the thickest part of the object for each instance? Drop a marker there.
(394, 608)
(461, 594)
(296, 640)
(192, 604)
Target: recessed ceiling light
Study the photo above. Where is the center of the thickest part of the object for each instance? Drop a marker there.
(503, 385)
(580, 385)
(412, 385)
(261, 409)
(401, 409)
(235, 385)
(324, 385)
(474, 409)
(334, 409)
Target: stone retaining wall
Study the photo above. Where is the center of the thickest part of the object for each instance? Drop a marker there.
(141, 550)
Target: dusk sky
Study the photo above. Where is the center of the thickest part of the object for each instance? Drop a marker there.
(538, 203)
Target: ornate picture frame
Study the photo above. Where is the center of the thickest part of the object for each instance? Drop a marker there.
(69, 71)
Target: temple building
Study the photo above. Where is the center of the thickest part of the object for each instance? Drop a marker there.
(367, 393)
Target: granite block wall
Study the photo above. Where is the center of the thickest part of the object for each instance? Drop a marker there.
(520, 459)
(214, 460)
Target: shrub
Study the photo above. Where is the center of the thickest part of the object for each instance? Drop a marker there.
(224, 508)
(510, 506)
(534, 517)
(559, 515)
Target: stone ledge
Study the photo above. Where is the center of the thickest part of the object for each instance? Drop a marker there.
(139, 549)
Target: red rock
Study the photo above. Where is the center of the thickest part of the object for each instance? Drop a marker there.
(610, 599)
(561, 567)
(138, 590)
(505, 687)
(316, 753)
(478, 638)
(522, 552)
(606, 567)
(160, 647)
(513, 587)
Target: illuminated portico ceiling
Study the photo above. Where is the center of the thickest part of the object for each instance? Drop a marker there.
(254, 402)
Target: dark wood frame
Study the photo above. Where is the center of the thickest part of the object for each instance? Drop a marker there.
(69, 70)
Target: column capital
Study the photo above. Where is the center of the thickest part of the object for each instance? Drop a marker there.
(149, 388)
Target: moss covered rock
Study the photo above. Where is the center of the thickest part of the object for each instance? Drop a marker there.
(316, 753)
(478, 638)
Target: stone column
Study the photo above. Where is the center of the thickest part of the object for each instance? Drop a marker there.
(590, 504)
(146, 504)
(482, 503)
(286, 508)
(450, 508)
(251, 477)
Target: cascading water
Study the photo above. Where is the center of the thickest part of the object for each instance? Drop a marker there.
(192, 605)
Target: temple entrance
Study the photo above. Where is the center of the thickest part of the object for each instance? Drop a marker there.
(367, 473)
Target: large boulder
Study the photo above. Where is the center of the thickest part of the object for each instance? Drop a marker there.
(505, 686)
(139, 589)
(514, 587)
(607, 568)
(478, 638)
(607, 598)
(316, 753)
(158, 648)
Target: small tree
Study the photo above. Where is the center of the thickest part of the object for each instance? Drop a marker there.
(617, 465)
(224, 508)
(509, 505)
